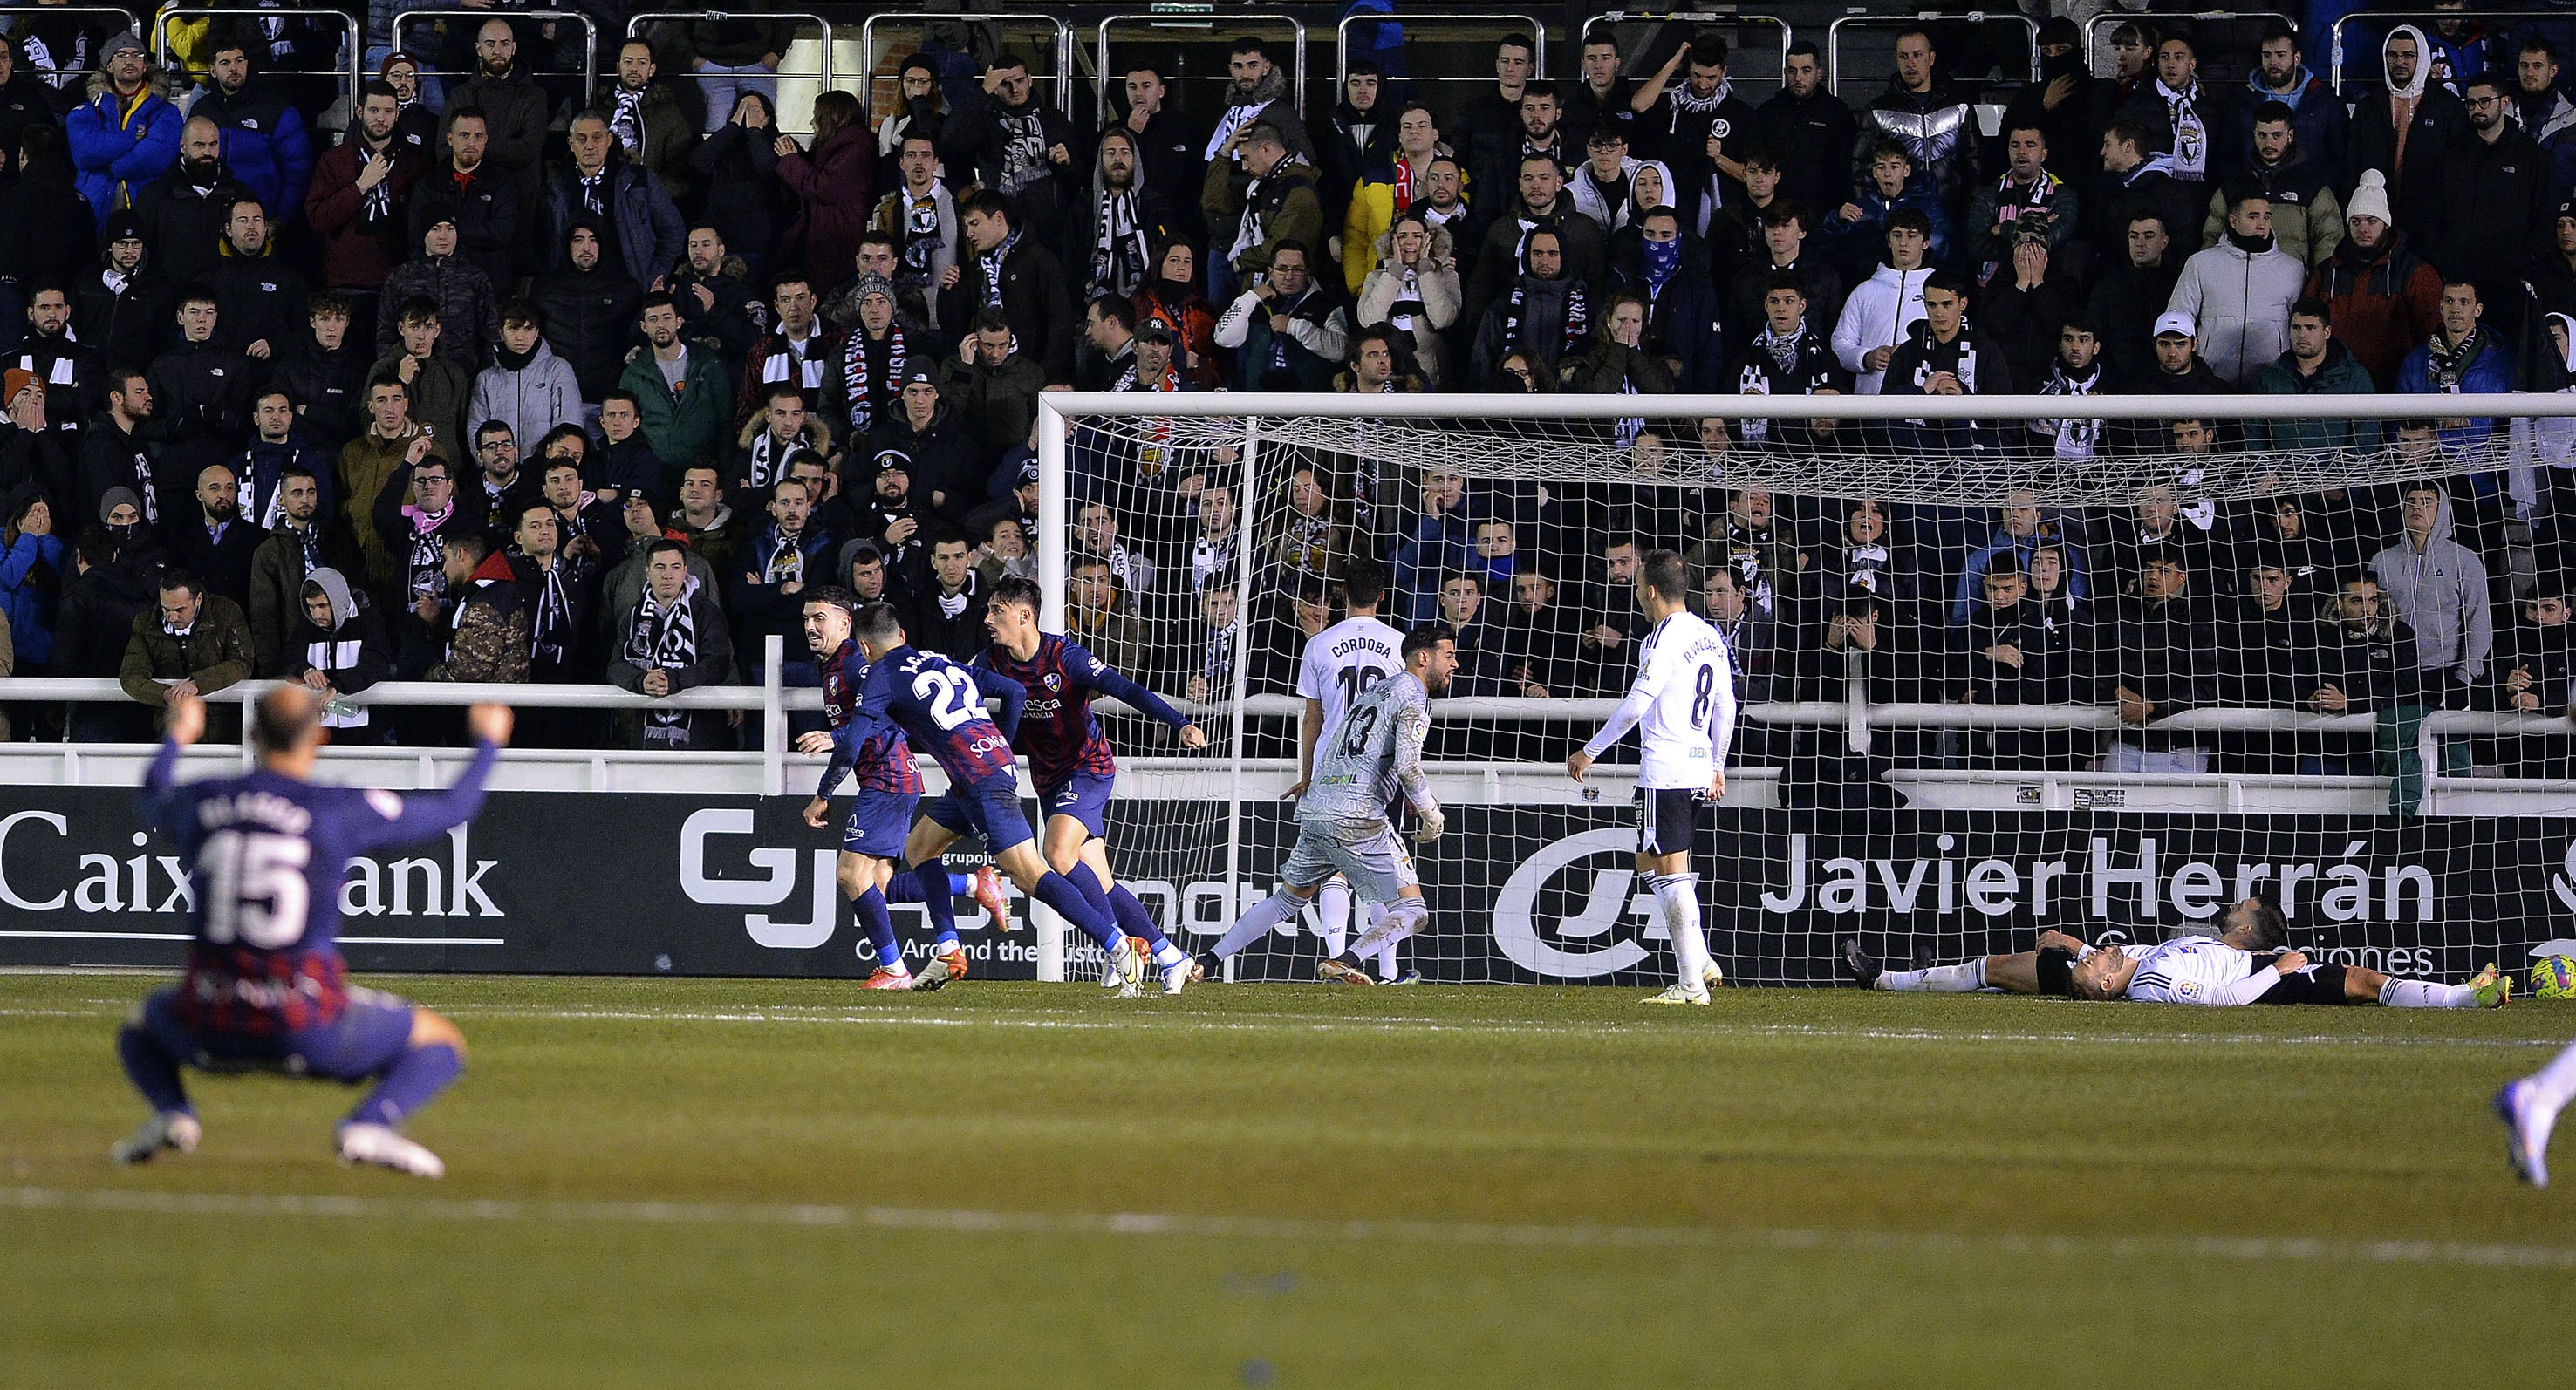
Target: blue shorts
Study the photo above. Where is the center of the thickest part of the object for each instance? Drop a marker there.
(993, 809)
(1083, 796)
(878, 823)
(368, 1036)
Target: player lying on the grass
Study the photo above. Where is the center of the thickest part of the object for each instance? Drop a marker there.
(2529, 1108)
(1070, 758)
(2250, 924)
(1373, 755)
(266, 989)
(939, 706)
(881, 809)
(2206, 970)
(1683, 707)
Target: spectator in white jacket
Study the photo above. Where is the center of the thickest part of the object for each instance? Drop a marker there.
(2240, 292)
(1883, 309)
(527, 387)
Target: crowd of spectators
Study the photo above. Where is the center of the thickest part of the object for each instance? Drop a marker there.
(499, 384)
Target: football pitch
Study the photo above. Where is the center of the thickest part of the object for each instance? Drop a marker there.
(717, 1183)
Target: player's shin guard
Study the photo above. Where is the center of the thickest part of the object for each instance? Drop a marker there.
(904, 888)
(1105, 902)
(1058, 892)
(869, 910)
(1385, 953)
(2427, 994)
(1265, 917)
(1400, 919)
(1333, 914)
(941, 907)
(414, 1080)
(1967, 977)
(1137, 922)
(153, 1071)
(1678, 897)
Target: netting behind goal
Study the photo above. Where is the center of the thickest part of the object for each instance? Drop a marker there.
(1997, 674)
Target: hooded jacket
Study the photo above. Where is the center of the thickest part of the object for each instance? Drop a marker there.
(352, 654)
(2306, 215)
(120, 146)
(2439, 589)
(531, 398)
(2241, 300)
(590, 320)
(650, 234)
(487, 639)
(2410, 151)
(278, 570)
(2385, 302)
(1938, 129)
(1881, 313)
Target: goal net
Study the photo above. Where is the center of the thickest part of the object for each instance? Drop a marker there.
(2000, 670)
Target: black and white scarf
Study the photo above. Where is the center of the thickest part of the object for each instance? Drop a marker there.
(2190, 134)
(1118, 265)
(1247, 231)
(2076, 439)
(376, 205)
(665, 638)
(766, 460)
(922, 237)
(550, 636)
(861, 374)
(1782, 348)
(786, 563)
(1024, 157)
(1578, 320)
(627, 122)
(991, 264)
(594, 190)
(2450, 364)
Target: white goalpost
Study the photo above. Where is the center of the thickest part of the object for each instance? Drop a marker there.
(1894, 780)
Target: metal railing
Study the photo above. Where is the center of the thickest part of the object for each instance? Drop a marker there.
(404, 19)
(1711, 19)
(1059, 46)
(2377, 18)
(353, 42)
(12, 18)
(2094, 43)
(1834, 35)
(822, 71)
(1209, 28)
(1483, 23)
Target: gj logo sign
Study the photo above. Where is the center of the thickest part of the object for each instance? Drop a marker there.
(775, 885)
(1575, 910)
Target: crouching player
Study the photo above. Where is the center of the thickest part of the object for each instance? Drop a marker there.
(1364, 761)
(871, 873)
(266, 989)
(939, 706)
(1071, 760)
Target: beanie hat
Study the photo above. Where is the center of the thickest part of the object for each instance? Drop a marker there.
(872, 283)
(13, 381)
(115, 497)
(2370, 197)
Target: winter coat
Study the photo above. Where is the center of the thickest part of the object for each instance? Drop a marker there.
(1813, 369)
(2218, 119)
(1288, 205)
(2241, 301)
(1434, 286)
(366, 463)
(832, 187)
(670, 137)
(2320, 124)
(487, 639)
(222, 561)
(1813, 138)
(439, 389)
(755, 604)
(945, 459)
(715, 663)
(530, 400)
(1365, 222)
(2341, 374)
(2436, 126)
(2499, 209)
(265, 145)
(590, 322)
(1881, 312)
(48, 230)
(974, 144)
(1938, 129)
(467, 312)
(650, 234)
(2489, 370)
(352, 654)
(183, 221)
(359, 251)
(997, 403)
(489, 212)
(685, 426)
(215, 652)
(1859, 245)
(1035, 296)
(2385, 302)
(326, 388)
(277, 574)
(31, 572)
(2307, 218)
(119, 147)
(514, 111)
(737, 169)
(258, 299)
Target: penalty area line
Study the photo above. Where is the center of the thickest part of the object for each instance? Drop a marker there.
(2237, 1249)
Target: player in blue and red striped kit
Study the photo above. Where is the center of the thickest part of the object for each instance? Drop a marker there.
(871, 869)
(1071, 760)
(939, 705)
(266, 989)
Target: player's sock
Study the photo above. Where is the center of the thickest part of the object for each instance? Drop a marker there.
(2427, 994)
(1264, 918)
(2554, 1085)
(869, 910)
(1058, 892)
(1386, 953)
(1333, 914)
(1678, 896)
(1966, 977)
(941, 907)
(153, 1071)
(1400, 919)
(414, 1080)
(904, 888)
(1137, 922)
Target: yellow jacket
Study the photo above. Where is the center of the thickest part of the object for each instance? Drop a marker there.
(1372, 212)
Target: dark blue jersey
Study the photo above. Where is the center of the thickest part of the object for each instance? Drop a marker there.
(268, 854)
(868, 746)
(939, 706)
(843, 672)
(1058, 732)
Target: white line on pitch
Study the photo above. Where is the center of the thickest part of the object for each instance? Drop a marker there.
(2249, 1249)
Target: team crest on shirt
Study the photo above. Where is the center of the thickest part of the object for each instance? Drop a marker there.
(1054, 681)
(1721, 128)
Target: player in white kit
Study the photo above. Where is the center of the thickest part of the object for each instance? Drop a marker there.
(1683, 706)
(2529, 1108)
(1341, 664)
(2206, 970)
(1365, 761)
(2250, 923)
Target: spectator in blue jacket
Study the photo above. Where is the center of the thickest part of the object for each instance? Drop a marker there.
(265, 144)
(2463, 358)
(127, 133)
(633, 211)
(1855, 232)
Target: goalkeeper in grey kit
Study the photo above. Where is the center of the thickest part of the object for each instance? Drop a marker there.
(1365, 760)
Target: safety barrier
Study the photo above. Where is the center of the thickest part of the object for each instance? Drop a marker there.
(14, 20)
(1490, 28)
(1834, 34)
(1202, 31)
(1057, 34)
(800, 76)
(1732, 25)
(404, 20)
(2385, 19)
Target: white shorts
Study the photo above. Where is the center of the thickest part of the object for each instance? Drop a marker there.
(1369, 855)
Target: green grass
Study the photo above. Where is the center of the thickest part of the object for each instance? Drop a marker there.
(1391, 1187)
